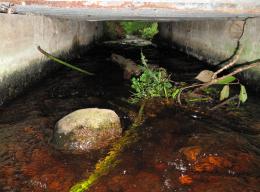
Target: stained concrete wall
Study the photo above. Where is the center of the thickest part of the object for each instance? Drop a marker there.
(21, 63)
(216, 41)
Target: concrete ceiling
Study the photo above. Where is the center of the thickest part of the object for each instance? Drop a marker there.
(160, 10)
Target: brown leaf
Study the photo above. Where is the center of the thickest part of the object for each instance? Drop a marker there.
(185, 180)
(205, 76)
(192, 152)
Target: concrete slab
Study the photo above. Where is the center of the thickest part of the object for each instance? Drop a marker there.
(162, 10)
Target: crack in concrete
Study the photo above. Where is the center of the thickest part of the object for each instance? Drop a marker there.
(238, 42)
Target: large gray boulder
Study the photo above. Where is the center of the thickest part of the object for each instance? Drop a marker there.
(86, 130)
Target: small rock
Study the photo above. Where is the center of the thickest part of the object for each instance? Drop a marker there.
(86, 130)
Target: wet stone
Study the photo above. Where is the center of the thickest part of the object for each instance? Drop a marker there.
(86, 130)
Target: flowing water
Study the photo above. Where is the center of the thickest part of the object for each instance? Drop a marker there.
(180, 150)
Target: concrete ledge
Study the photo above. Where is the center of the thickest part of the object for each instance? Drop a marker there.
(21, 63)
(163, 10)
(216, 41)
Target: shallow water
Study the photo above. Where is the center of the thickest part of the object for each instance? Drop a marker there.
(179, 150)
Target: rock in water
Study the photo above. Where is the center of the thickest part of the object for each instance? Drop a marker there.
(86, 130)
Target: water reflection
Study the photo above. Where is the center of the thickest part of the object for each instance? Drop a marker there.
(179, 151)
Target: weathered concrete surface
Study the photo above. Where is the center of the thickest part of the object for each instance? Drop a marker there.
(140, 9)
(216, 41)
(20, 61)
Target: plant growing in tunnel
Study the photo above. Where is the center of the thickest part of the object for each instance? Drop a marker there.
(118, 30)
(145, 30)
(153, 82)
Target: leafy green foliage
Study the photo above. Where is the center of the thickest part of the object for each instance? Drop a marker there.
(206, 76)
(243, 94)
(224, 94)
(115, 29)
(145, 30)
(227, 80)
(149, 32)
(152, 83)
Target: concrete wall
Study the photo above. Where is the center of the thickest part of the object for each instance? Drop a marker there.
(20, 61)
(216, 41)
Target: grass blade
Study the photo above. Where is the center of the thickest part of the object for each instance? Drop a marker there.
(63, 62)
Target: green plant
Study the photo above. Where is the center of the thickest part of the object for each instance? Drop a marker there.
(209, 78)
(153, 82)
(145, 30)
(149, 32)
(225, 92)
(63, 62)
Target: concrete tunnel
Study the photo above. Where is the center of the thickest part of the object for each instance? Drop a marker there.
(209, 30)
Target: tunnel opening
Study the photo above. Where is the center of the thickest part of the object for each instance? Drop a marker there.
(150, 143)
(124, 29)
(178, 148)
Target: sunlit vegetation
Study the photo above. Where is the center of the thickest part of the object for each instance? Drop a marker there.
(153, 82)
(145, 30)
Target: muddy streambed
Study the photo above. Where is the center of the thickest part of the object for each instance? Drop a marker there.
(179, 150)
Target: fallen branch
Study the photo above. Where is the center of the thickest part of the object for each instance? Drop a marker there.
(215, 81)
(129, 66)
(210, 78)
(231, 63)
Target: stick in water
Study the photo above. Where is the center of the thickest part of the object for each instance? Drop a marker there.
(63, 62)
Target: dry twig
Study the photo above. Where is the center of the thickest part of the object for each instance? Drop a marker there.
(231, 63)
(238, 70)
(215, 80)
